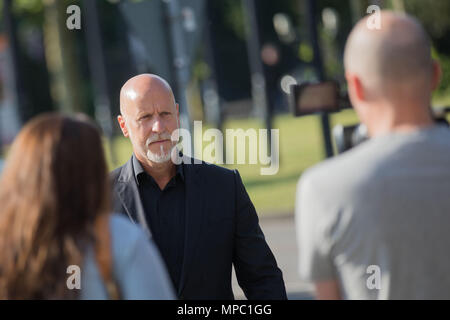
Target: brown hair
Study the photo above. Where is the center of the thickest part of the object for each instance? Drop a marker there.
(53, 189)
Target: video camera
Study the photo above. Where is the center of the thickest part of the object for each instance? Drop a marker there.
(326, 97)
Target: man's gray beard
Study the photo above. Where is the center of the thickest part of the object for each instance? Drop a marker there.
(161, 157)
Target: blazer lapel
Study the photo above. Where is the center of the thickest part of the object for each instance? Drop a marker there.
(194, 217)
(128, 192)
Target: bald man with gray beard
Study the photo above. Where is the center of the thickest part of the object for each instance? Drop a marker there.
(199, 214)
(373, 222)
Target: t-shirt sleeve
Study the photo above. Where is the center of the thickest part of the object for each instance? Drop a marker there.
(313, 220)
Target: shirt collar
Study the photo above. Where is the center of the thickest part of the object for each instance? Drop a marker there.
(180, 170)
(139, 170)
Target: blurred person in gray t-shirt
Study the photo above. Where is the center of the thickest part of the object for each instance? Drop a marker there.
(374, 223)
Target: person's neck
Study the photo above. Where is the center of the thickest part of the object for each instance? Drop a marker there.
(398, 119)
(160, 172)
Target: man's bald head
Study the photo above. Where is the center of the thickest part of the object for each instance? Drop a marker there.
(149, 118)
(141, 87)
(398, 54)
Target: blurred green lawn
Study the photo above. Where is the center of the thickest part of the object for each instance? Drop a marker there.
(301, 146)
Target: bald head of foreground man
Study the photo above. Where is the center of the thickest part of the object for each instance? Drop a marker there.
(390, 74)
(149, 116)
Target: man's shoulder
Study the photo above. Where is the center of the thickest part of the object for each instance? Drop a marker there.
(119, 172)
(382, 154)
(114, 175)
(210, 169)
(347, 171)
(341, 164)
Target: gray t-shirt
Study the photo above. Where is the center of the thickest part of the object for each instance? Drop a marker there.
(377, 218)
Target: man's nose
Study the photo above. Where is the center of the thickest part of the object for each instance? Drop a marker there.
(158, 126)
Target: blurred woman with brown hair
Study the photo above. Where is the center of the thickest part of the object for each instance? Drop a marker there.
(54, 213)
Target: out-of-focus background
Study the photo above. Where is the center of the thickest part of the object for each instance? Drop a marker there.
(230, 62)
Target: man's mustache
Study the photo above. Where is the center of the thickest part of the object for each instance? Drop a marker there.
(158, 137)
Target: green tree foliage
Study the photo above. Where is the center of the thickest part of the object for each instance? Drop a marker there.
(433, 14)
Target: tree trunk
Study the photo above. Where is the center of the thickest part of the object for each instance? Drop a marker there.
(61, 58)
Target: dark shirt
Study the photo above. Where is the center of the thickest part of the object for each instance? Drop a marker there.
(165, 214)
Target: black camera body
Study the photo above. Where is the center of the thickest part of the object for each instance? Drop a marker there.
(315, 98)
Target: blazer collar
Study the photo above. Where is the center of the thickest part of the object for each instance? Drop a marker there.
(128, 192)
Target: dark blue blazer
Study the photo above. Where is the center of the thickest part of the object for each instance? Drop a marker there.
(222, 230)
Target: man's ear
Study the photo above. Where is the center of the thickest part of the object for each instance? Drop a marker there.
(437, 75)
(178, 114)
(122, 125)
(355, 87)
